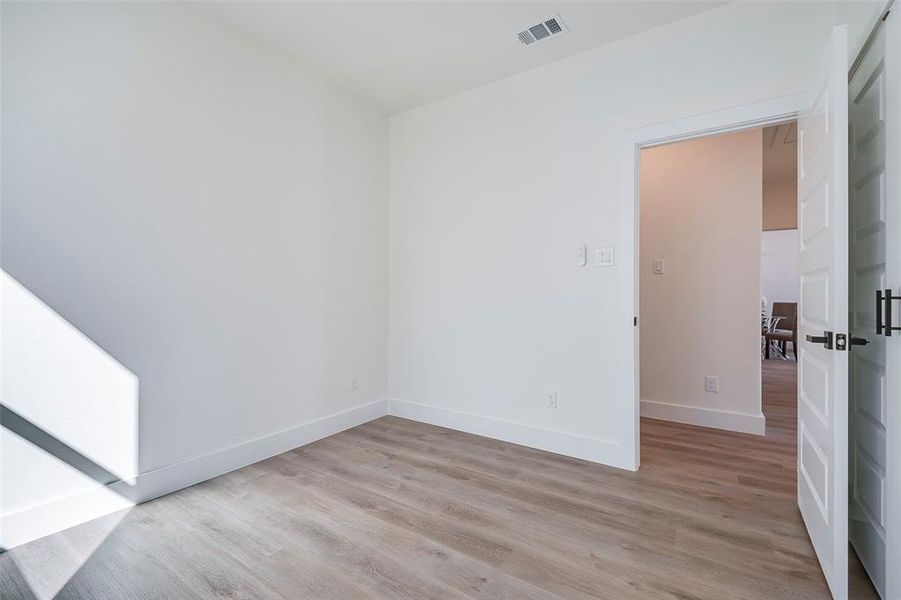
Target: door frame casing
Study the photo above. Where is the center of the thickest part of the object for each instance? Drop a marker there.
(748, 116)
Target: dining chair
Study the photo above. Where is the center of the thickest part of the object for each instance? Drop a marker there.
(786, 330)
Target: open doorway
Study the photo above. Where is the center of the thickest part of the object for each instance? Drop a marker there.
(716, 413)
(829, 330)
(779, 279)
(719, 290)
(705, 271)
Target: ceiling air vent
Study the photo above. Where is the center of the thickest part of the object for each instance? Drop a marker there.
(546, 28)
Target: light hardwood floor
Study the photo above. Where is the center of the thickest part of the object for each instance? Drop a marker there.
(397, 509)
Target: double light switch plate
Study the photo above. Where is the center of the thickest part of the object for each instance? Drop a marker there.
(603, 257)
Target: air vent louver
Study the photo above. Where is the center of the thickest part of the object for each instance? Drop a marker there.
(539, 31)
(525, 37)
(546, 28)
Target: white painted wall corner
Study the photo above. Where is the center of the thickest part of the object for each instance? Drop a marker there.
(577, 446)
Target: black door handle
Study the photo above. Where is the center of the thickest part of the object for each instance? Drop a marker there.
(884, 300)
(856, 341)
(888, 312)
(825, 339)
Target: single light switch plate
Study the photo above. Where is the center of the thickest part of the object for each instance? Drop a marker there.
(552, 400)
(603, 257)
(658, 266)
(712, 383)
(582, 255)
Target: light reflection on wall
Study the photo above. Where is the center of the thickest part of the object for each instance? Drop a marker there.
(65, 392)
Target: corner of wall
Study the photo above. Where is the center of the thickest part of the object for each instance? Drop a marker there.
(606, 452)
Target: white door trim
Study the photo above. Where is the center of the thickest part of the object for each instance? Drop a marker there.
(758, 114)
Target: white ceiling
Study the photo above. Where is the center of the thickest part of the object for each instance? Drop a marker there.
(397, 55)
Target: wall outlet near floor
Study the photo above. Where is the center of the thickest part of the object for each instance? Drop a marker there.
(552, 400)
(712, 383)
(354, 383)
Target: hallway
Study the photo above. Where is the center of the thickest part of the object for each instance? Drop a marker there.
(745, 485)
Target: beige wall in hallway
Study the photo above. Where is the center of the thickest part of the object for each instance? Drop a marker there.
(780, 207)
(701, 214)
(780, 177)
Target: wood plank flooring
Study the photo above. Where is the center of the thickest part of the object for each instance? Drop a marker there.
(397, 509)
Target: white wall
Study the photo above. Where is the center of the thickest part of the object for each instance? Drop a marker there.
(779, 278)
(208, 215)
(215, 221)
(493, 189)
(701, 214)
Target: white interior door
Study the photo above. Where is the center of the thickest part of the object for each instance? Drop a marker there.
(892, 27)
(867, 236)
(823, 312)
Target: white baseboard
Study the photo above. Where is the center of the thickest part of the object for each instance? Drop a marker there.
(166, 480)
(577, 446)
(35, 522)
(705, 417)
(38, 521)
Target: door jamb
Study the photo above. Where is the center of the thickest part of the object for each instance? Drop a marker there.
(748, 116)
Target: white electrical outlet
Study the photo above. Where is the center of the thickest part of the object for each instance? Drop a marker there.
(712, 383)
(354, 383)
(552, 400)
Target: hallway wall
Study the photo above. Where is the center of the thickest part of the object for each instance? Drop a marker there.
(779, 278)
(700, 205)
